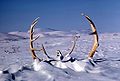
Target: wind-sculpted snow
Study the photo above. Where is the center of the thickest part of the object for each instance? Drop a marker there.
(16, 63)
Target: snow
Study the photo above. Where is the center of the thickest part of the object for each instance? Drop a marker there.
(17, 63)
(21, 34)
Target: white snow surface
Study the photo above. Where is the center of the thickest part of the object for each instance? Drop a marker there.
(15, 57)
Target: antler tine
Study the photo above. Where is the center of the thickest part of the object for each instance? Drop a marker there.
(36, 20)
(32, 49)
(73, 46)
(44, 50)
(36, 38)
(94, 32)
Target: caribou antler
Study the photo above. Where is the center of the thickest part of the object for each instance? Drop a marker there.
(48, 57)
(72, 47)
(91, 53)
(94, 32)
(32, 39)
(45, 52)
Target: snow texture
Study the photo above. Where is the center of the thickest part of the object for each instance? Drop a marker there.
(16, 63)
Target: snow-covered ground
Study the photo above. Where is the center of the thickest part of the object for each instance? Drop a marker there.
(15, 56)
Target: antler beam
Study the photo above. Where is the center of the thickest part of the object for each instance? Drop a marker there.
(32, 39)
(94, 33)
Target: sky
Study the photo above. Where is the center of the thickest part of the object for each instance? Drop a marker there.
(17, 15)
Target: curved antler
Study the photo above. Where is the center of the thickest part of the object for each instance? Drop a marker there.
(72, 47)
(45, 52)
(94, 32)
(32, 39)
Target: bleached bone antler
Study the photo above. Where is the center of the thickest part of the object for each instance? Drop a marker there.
(94, 33)
(32, 39)
(72, 47)
(66, 56)
(45, 52)
(59, 53)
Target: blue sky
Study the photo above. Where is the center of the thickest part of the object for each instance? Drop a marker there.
(17, 15)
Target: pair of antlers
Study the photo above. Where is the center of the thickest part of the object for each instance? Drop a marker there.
(90, 55)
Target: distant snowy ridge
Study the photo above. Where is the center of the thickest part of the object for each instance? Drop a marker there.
(57, 33)
(44, 33)
(16, 35)
(10, 37)
(21, 34)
